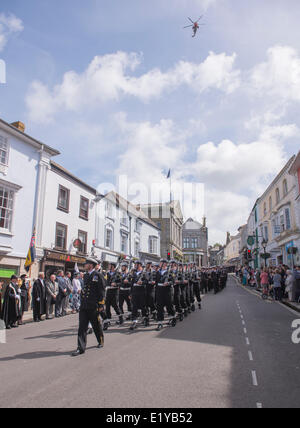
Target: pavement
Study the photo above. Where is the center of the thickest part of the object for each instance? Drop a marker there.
(236, 352)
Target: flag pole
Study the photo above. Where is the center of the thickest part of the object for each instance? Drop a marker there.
(170, 186)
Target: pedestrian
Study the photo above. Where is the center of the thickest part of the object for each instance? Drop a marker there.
(39, 298)
(11, 309)
(277, 285)
(25, 288)
(62, 295)
(68, 299)
(296, 284)
(51, 295)
(1, 287)
(289, 284)
(92, 303)
(76, 291)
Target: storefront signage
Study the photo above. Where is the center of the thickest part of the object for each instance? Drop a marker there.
(64, 257)
(7, 273)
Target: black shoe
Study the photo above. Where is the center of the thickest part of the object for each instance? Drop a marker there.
(159, 327)
(77, 353)
(8, 327)
(100, 346)
(90, 331)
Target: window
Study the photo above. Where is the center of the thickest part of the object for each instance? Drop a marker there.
(3, 151)
(137, 248)
(270, 204)
(84, 208)
(6, 207)
(277, 196)
(266, 234)
(282, 223)
(124, 243)
(194, 242)
(63, 199)
(153, 245)
(138, 226)
(285, 187)
(109, 238)
(109, 210)
(265, 209)
(61, 236)
(124, 219)
(287, 219)
(82, 236)
(186, 243)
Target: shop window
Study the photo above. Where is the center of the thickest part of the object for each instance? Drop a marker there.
(61, 236)
(6, 207)
(84, 208)
(63, 199)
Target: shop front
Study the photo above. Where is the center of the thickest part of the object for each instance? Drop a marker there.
(55, 260)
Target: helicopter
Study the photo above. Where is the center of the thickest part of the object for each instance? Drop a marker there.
(195, 25)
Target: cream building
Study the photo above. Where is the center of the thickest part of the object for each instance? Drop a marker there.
(232, 250)
(278, 224)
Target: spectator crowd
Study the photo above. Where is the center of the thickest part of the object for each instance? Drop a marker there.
(51, 297)
(281, 281)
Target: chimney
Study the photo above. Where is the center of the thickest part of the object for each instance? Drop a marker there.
(228, 238)
(204, 221)
(19, 125)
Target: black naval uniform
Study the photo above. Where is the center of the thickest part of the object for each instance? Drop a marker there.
(164, 294)
(196, 285)
(138, 295)
(183, 289)
(92, 301)
(150, 277)
(125, 292)
(177, 290)
(112, 293)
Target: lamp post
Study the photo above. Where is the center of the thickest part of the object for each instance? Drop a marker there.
(264, 245)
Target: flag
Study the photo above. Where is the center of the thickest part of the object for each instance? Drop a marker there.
(31, 253)
(169, 174)
(76, 269)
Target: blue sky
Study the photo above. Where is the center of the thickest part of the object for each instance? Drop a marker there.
(120, 88)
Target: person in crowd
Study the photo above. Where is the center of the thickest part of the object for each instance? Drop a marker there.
(51, 295)
(67, 302)
(245, 276)
(264, 280)
(11, 310)
(289, 284)
(257, 278)
(39, 298)
(62, 295)
(24, 289)
(296, 284)
(277, 286)
(76, 291)
(1, 289)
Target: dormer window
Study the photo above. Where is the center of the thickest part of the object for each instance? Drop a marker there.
(3, 151)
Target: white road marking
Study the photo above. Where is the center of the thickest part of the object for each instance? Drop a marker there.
(245, 330)
(243, 322)
(259, 405)
(247, 341)
(254, 378)
(250, 355)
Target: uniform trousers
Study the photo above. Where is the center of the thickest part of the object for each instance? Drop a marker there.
(87, 316)
(164, 297)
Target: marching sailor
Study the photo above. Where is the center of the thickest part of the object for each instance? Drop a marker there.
(164, 295)
(92, 304)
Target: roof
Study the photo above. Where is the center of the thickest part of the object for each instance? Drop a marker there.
(27, 138)
(296, 165)
(192, 224)
(129, 208)
(60, 169)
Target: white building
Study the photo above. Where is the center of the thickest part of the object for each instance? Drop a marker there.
(295, 172)
(122, 231)
(23, 161)
(67, 231)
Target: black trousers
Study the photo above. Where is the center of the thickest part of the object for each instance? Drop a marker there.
(150, 298)
(112, 300)
(87, 316)
(183, 302)
(164, 297)
(197, 293)
(138, 302)
(177, 299)
(124, 296)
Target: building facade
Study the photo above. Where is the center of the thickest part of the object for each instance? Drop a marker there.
(23, 163)
(232, 250)
(295, 173)
(195, 242)
(169, 219)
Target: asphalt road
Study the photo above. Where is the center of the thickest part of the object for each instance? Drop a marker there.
(236, 352)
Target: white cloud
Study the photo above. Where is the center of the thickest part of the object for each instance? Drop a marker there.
(279, 76)
(107, 78)
(9, 24)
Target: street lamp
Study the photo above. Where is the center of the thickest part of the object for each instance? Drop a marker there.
(264, 245)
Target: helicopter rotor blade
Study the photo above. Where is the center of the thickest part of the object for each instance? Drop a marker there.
(191, 21)
(188, 26)
(200, 18)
